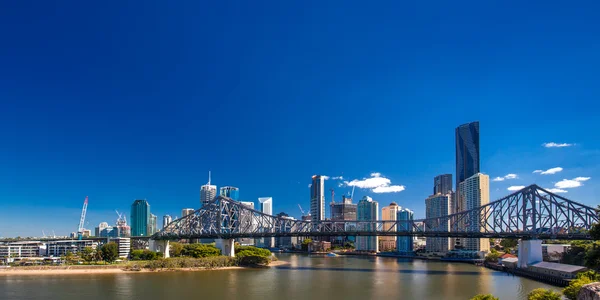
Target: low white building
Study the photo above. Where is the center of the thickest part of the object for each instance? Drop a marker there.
(124, 246)
(22, 249)
(60, 248)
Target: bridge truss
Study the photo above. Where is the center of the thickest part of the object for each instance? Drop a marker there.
(531, 213)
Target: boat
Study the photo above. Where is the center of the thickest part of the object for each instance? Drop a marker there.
(331, 254)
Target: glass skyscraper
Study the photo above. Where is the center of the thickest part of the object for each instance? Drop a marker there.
(317, 198)
(442, 184)
(367, 210)
(230, 192)
(140, 218)
(404, 243)
(467, 151)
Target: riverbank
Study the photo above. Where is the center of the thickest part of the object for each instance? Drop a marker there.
(128, 268)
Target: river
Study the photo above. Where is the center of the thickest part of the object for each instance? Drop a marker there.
(306, 277)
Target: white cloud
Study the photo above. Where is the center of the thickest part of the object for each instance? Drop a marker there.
(507, 176)
(340, 184)
(389, 189)
(325, 177)
(376, 183)
(516, 187)
(556, 145)
(571, 183)
(309, 185)
(338, 178)
(556, 191)
(549, 171)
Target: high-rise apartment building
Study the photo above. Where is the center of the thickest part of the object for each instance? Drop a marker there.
(186, 211)
(474, 192)
(152, 225)
(266, 207)
(166, 220)
(367, 210)
(388, 213)
(140, 218)
(467, 152)
(100, 228)
(230, 192)
(404, 243)
(208, 192)
(438, 205)
(317, 198)
(442, 184)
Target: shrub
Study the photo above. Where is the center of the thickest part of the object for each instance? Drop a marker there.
(253, 260)
(485, 297)
(143, 255)
(200, 250)
(242, 251)
(543, 294)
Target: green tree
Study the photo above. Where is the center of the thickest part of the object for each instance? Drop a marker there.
(492, 256)
(509, 243)
(305, 244)
(69, 257)
(200, 250)
(485, 297)
(87, 254)
(574, 286)
(110, 252)
(175, 249)
(543, 294)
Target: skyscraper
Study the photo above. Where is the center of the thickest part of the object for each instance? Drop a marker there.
(404, 243)
(388, 213)
(438, 205)
(467, 152)
(140, 218)
(186, 211)
(474, 192)
(442, 184)
(166, 220)
(246, 221)
(208, 192)
(317, 198)
(344, 211)
(152, 227)
(367, 210)
(266, 207)
(230, 192)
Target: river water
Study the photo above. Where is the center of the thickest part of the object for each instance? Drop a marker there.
(306, 277)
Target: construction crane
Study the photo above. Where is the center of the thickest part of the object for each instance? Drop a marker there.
(301, 210)
(82, 220)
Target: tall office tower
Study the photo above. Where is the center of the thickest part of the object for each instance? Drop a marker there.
(475, 192)
(140, 217)
(404, 243)
(344, 211)
(367, 210)
(388, 213)
(467, 152)
(230, 192)
(442, 184)
(317, 198)
(166, 220)
(100, 228)
(266, 207)
(438, 205)
(208, 192)
(186, 211)
(152, 227)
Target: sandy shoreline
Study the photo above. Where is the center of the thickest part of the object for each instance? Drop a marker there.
(79, 270)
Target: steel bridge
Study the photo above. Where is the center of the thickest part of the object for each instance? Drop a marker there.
(531, 213)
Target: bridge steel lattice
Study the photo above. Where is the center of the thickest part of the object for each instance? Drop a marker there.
(531, 213)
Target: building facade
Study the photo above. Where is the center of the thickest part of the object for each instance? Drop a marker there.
(100, 227)
(22, 249)
(208, 192)
(247, 220)
(140, 218)
(317, 198)
(344, 211)
(266, 207)
(166, 220)
(438, 205)
(474, 192)
(405, 243)
(442, 184)
(388, 213)
(367, 210)
(187, 211)
(60, 248)
(123, 244)
(152, 224)
(467, 152)
(230, 192)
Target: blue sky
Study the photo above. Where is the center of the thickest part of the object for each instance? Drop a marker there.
(141, 101)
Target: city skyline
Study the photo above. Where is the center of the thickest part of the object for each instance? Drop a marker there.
(118, 110)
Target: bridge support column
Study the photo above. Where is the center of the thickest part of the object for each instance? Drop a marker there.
(160, 246)
(226, 246)
(530, 252)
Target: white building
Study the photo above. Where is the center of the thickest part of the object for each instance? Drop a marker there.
(124, 246)
(367, 210)
(166, 220)
(474, 192)
(186, 211)
(60, 248)
(266, 207)
(208, 192)
(22, 249)
(438, 205)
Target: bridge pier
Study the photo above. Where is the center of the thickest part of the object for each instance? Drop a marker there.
(226, 246)
(161, 246)
(530, 252)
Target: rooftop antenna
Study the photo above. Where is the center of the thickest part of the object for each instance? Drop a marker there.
(208, 177)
